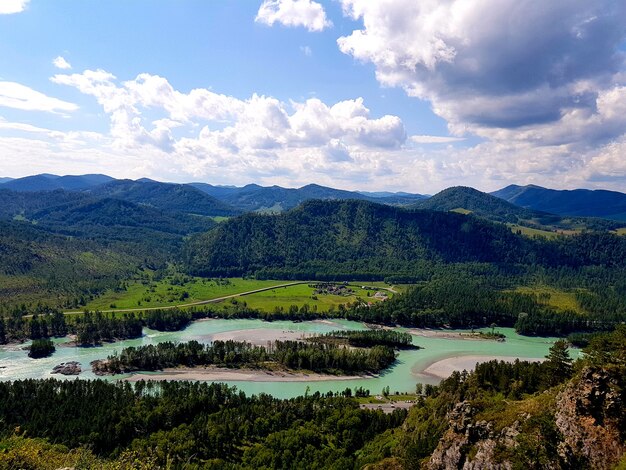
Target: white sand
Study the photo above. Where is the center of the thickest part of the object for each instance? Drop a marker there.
(444, 368)
(428, 333)
(215, 374)
(260, 336)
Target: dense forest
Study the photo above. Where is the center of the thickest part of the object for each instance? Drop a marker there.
(193, 425)
(365, 241)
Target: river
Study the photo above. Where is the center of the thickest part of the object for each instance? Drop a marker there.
(402, 377)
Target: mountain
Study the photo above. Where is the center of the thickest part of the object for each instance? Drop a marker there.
(347, 238)
(577, 202)
(464, 199)
(363, 240)
(5, 180)
(165, 196)
(23, 205)
(257, 198)
(47, 182)
(36, 264)
(469, 200)
(115, 219)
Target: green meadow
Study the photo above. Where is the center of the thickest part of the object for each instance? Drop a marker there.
(174, 290)
(557, 298)
(180, 290)
(284, 297)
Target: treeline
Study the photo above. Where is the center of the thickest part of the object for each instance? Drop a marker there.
(294, 355)
(369, 338)
(90, 328)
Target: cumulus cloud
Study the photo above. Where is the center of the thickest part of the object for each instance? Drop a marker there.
(492, 63)
(61, 63)
(294, 13)
(8, 7)
(542, 83)
(18, 96)
(204, 132)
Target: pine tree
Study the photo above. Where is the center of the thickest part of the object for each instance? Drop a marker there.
(559, 363)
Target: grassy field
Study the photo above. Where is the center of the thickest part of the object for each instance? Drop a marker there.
(174, 290)
(303, 294)
(177, 289)
(532, 232)
(559, 299)
(621, 231)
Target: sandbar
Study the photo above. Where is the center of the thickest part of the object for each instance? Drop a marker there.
(444, 368)
(216, 374)
(261, 336)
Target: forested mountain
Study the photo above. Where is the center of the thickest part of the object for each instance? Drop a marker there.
(82, 244)
(358, 238)
(465, 199)
(253, 197)
(36, 264)
(113, 219)
(24, 204)
(165, 196)
(46, 182)
(577, 202)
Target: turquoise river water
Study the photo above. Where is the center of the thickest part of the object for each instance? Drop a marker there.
(402, 377)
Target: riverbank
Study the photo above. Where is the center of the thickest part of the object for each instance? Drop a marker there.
(216, 374)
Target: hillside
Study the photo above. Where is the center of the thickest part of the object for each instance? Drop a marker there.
(577, 202)
(465, 199)
(165, 196)
(253, 197)
(38, 265)
(355, 237)
(108, 240)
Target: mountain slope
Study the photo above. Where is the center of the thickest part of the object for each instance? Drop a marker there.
(165, 196)
(5, 180)
(348, 237)
(47, 182)
(577, 202)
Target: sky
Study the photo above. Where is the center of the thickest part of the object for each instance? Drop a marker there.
(394, 95)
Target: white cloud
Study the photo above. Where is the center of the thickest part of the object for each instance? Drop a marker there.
(202, 133)
(8, 7)
(434, 139)
(492, 63)
(294, 13)
(61, 63)
(18, 96)
(306, 50)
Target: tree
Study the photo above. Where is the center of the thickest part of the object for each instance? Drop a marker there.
(559, 363)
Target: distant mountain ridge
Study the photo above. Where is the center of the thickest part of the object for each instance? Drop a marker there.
(469, 200)
(165, 196)
(255, 198)
(47, 182)
(576, 202)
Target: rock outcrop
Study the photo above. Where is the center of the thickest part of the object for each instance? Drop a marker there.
(590, 412)
(586, 426)
(68, 368)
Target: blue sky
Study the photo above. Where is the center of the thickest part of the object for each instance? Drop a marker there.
(385, 95)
